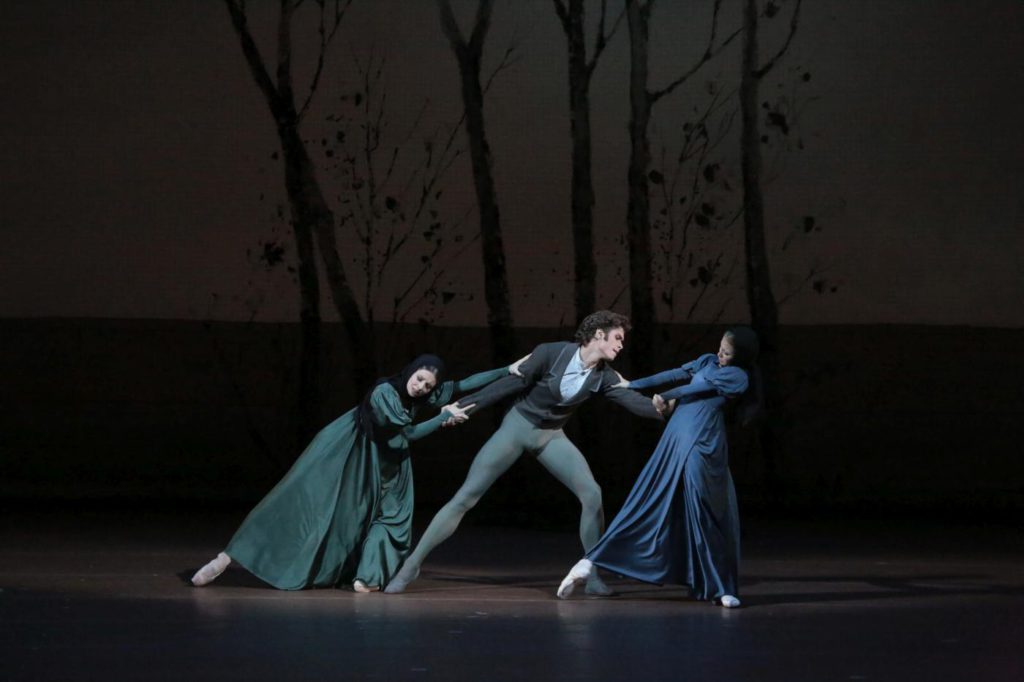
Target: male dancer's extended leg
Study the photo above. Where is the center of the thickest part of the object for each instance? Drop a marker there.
(566, 463)
(494, 459)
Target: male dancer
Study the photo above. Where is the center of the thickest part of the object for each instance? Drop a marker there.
(555, 380)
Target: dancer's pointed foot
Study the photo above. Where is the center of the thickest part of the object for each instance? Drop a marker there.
(597, 587)
(361, 587)
(208, 573)
(728, 601)
(579, 573)
(402, 579)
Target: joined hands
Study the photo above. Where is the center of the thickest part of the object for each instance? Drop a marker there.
(663, 407)
(457, 413)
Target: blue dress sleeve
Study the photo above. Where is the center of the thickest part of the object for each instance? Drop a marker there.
(671, 376)
(728, 382)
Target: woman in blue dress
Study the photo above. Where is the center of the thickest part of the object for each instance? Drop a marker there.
(680, 523)
(343, 512)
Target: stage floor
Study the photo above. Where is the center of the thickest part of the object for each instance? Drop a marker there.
(101, 595)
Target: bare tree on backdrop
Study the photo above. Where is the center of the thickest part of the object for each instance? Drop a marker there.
(638, 219)
(469, 54)
(312, 221)
(388, 203)
(694, 204)
(761, 299)
(581, 69)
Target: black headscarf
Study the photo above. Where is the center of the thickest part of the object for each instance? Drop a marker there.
(745, 346)
(399, 382)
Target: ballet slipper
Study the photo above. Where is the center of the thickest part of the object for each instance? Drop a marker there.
(361, 587)
(728, 601)
(208, 573)
(402, 580)
(580, 572)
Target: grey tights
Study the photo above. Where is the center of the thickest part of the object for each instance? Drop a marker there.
(555, 452)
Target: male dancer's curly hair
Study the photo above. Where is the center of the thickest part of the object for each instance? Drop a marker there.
(602, 319)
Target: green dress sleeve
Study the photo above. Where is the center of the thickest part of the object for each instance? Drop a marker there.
(480, 379)
(443, 394)
(417, 431)
(396, 421)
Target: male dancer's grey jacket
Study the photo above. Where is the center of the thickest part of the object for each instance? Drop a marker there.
(540, 400)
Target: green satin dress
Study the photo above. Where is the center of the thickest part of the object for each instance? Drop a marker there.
(344, 510)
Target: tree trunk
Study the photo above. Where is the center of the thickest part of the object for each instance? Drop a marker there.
(638, 209)
(496, 294)
(760, 298)
(582, 182)
(313, 218)
(499, 312)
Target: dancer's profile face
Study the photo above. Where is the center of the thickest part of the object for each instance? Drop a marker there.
(610, 342)
(421, 383)
(726, 352)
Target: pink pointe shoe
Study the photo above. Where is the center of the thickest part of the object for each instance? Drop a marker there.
(578, 574)
(208, 573)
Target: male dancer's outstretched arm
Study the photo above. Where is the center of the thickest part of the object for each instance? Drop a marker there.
(529, 372)
(636, 403)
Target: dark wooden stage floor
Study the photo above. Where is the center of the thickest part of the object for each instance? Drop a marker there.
(99, 595)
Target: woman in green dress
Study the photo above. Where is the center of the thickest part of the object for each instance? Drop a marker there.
(343, 512)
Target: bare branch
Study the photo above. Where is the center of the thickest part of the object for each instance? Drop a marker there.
(451, 27)
(600, 19)
(703, 290)
(326, 36)
(709, 53)
(437, 275)
(507, 61)
(615, 301)
(763, 71)
(481, 26)
(811, 274)
(563, 13)
(253, 58)
(284, 55)
(602, 39)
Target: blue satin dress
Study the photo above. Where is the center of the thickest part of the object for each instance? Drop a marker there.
(680, 523)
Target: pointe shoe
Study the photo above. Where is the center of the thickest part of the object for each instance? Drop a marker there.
(728, 601)
(208, 573)
(402, 580)
(597, 587)
(580, 572)
(363, 588)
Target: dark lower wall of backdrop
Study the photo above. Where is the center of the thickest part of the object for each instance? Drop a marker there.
(878, 418)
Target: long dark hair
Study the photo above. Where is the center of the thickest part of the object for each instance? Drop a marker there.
(399, 381)
(746, 348)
